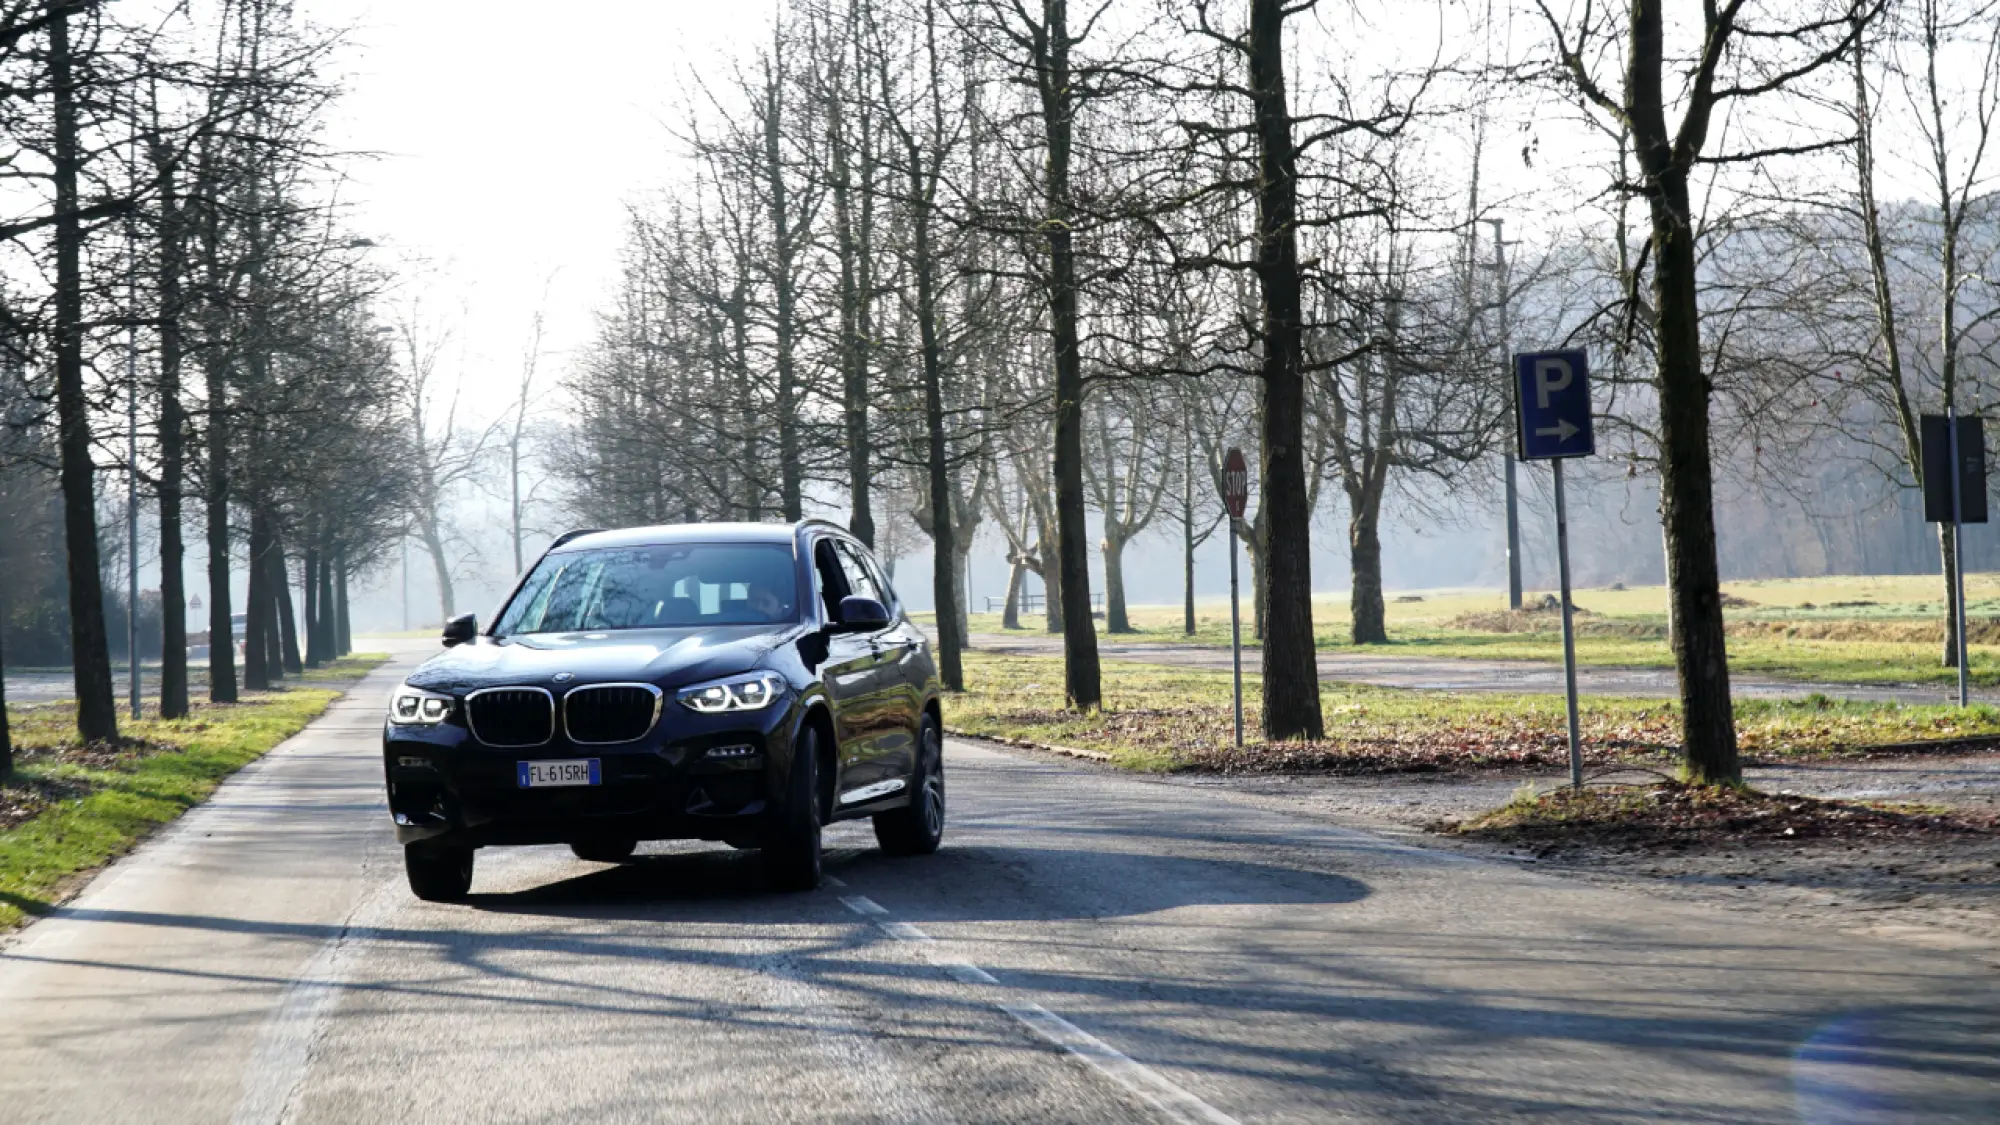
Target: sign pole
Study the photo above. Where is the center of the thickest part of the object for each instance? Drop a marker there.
(1569, 634)
(1235, 638)
(1964, 658)
(1235, 498)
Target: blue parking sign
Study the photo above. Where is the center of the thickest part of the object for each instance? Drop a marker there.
(1552, 405)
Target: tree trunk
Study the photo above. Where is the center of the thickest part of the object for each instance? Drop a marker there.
(221, 629)
(1187, 539)
(310, 561)
(257, 607)
(1115, 619)
(961, 572)
(1364, 544)
(173, 458)
(90, 649)
(1291, 670)
(1082, 683)
(343, 636)
(848, 249)
(6, 732)
(434, 546)
(1052, 605)
(329, 620)
(288, 632)
(791, 476)
(1687, 493)
(951, 641)
(1017, 573)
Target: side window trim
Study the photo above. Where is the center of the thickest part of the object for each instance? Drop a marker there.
(827, 542)
(889, 598)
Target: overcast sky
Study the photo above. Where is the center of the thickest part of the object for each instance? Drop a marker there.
(509, 138)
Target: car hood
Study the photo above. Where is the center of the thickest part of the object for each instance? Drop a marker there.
(665, 657)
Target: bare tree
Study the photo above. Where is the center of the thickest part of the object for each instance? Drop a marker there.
(1765, 60)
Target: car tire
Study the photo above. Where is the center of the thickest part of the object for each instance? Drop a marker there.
(918, 827)
(605, 851)
(438, 873)
(791, 845)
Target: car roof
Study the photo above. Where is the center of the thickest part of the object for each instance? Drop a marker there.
(782, 534)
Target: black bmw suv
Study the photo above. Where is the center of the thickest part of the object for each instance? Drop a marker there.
(739, 682)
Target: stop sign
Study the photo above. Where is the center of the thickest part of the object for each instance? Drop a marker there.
(1235, 483)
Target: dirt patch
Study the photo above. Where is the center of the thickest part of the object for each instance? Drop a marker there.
(1539, 620)
(1731, 601)
(1978, 630)
(24, 798)
(122, 754)
(1673, 815)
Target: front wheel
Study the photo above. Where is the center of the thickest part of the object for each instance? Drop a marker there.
(791, 847)
(918, 827)
(438, 874)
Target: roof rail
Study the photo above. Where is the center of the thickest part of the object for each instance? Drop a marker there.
(569, 535)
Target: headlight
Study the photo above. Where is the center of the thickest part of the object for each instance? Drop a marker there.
(417, 707)
(738, 693)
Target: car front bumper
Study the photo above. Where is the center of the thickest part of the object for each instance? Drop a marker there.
(691, 778)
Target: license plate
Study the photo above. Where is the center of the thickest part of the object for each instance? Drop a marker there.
(554, 775)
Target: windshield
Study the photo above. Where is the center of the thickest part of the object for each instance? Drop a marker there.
(665, 587)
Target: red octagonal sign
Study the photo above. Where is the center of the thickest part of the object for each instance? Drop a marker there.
(1235, 483)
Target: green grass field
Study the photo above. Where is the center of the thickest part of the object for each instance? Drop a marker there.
(74, 808)
(1865, 629)
(1157, 717)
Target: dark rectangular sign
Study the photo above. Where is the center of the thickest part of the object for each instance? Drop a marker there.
(1936, 433)
(1552, 405)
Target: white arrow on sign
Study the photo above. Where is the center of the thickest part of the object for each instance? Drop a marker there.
(1562, 430)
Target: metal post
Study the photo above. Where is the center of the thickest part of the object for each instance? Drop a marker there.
(132, 471)
(406, 580)
(1506, 353)
(1958, 563)
(1236, 637)
(1513, 537)
(1569, 633)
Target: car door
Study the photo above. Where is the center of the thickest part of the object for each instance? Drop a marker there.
(849, 676)
(906, 663)
(892, 710)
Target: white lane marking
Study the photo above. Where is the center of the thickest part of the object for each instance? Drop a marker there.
(1142, 1081)
(965, 972)
(284, 1048)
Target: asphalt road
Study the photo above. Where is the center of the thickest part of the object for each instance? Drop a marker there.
(1087, 947)
(1439, 673)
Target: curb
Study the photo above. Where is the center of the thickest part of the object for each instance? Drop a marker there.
(1025, 744)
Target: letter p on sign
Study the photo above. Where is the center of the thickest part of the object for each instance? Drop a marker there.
(1552, 374)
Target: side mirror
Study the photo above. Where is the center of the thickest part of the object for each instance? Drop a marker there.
(461, 630)
(861, 615)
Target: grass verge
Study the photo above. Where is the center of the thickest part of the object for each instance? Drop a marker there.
(1165, 718)
(69, 807)
(1843, 629)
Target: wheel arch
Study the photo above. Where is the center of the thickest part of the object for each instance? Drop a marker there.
(817, 716)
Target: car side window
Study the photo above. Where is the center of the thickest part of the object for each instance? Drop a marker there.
(874, 566)
(859, 579)
(829, 577)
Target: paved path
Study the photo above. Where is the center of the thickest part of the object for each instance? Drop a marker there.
(1450, 674)
(1087, 947)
